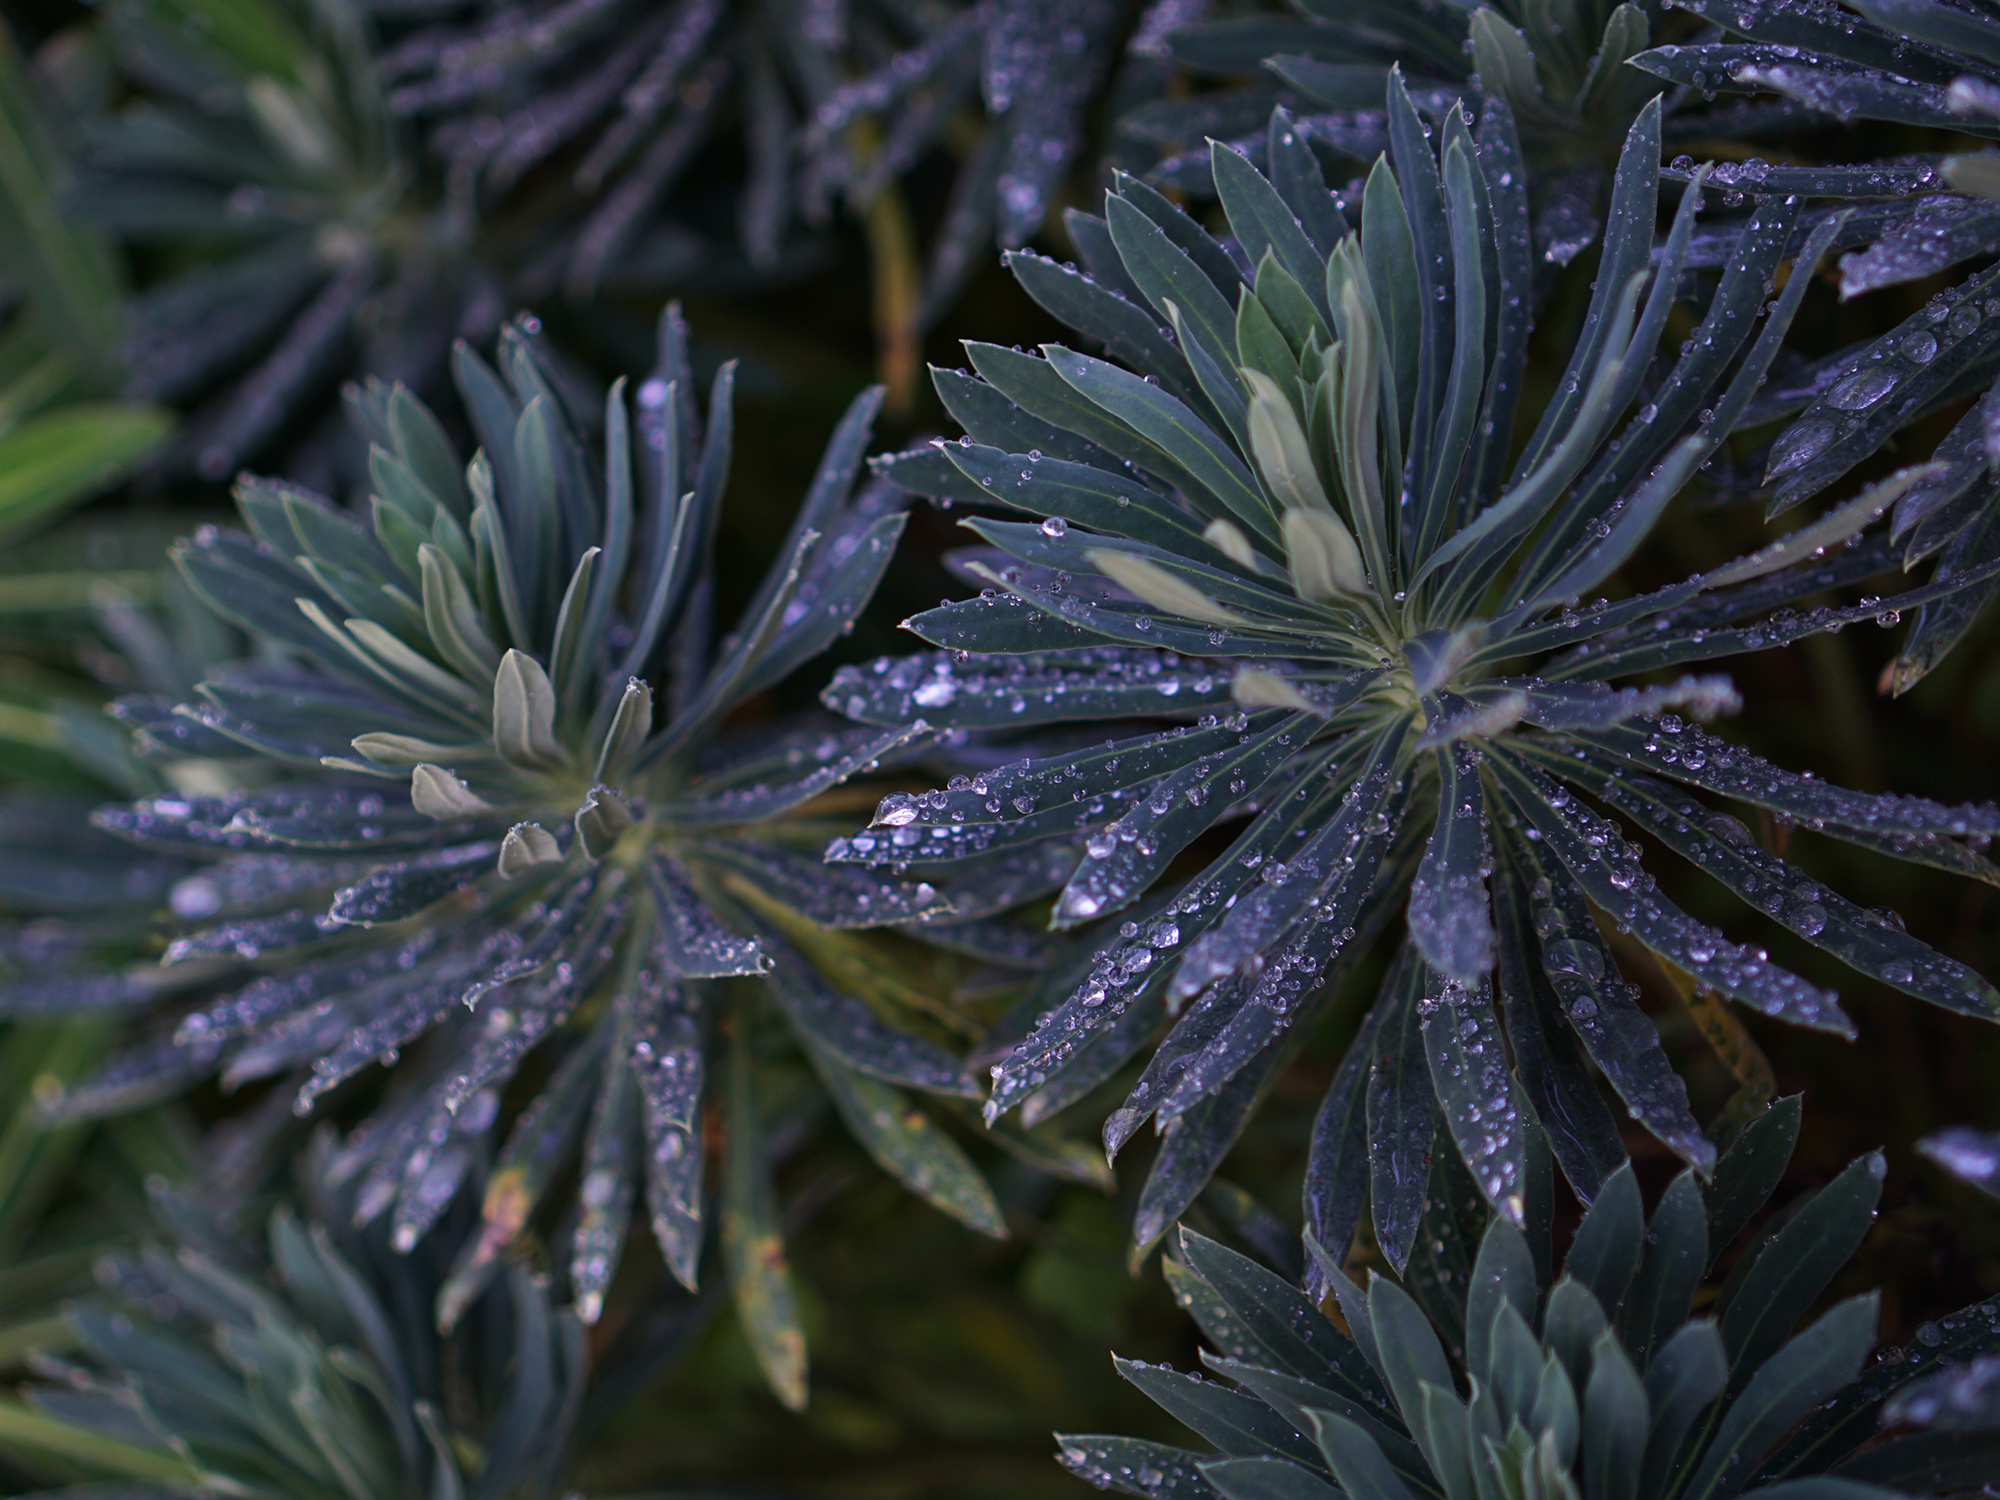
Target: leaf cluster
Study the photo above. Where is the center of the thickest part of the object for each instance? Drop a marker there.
(1486, 1375)
(309, 1367)
(484, 806)
(1292, 523)
(1328, 671)
(343, 188)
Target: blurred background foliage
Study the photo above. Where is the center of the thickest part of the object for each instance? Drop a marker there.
(941, 1361)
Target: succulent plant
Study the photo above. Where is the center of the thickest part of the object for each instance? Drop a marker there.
(385, 181)
(1912, 63)
(1481, 1379)
(479, 794)
(260, 129)
(311, 1371)
(1291, 526)
(835, 101)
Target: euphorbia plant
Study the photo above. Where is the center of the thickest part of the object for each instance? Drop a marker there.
(1291, 517)
(480, 799)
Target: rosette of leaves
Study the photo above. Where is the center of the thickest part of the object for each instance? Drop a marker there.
(832, 101)
(1911, 63)
(297, 235)
(1294, 524)
(489, 801)
(310, 1371)
(1561, 68)
(1480, 1375)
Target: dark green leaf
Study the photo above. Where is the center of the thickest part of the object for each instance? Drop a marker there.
(1127, 332)
(1295, 1398)
(1449, 914)
(1609, 1242)
(401, 890)
(1355, 1460)
(1094, 682)
(1750, 1171)
(999, 624)
(1439, 1271)
(1615, 1418)
(1133, 852)
(1676, 1256)
(1293, 1333)
(1408, 1346)
(753, 1246)
(846, 1029)
(910, 1146)
(1422, 192)
(1796, 1264)
(1082, 495)
(1237, 1424)
(1167, 427)
(1571, 1323)
(1266, 1479)
(1719, 845)
(1337, 1169)
(1937, 1461)
(1195, 1141)
(1690, 1371)
(1787, 1385)
(1962, 1340)
(1262, 221)
(1475, 1090)
(993, 420)
(1399, 1110)
(1627, 241)
(1503, 1274)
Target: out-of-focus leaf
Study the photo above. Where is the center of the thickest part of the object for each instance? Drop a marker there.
(57, 459)
(754, 1247)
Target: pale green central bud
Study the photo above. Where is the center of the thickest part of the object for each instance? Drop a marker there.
(1326, 565)
(1279, 445)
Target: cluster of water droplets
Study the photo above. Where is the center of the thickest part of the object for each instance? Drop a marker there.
(1602, 1007)
(1125, 1464)
(1933, 232)
(1688, 753)
(1020, 802)
(1107, 990)
(1944, 1378)
(1958, 321)
(253, 884)
(1469, 1065)
(1609, 868)
(415, 1167)
(667, 1064)
(956, 688)
(1313, 888)
(1043, 61)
